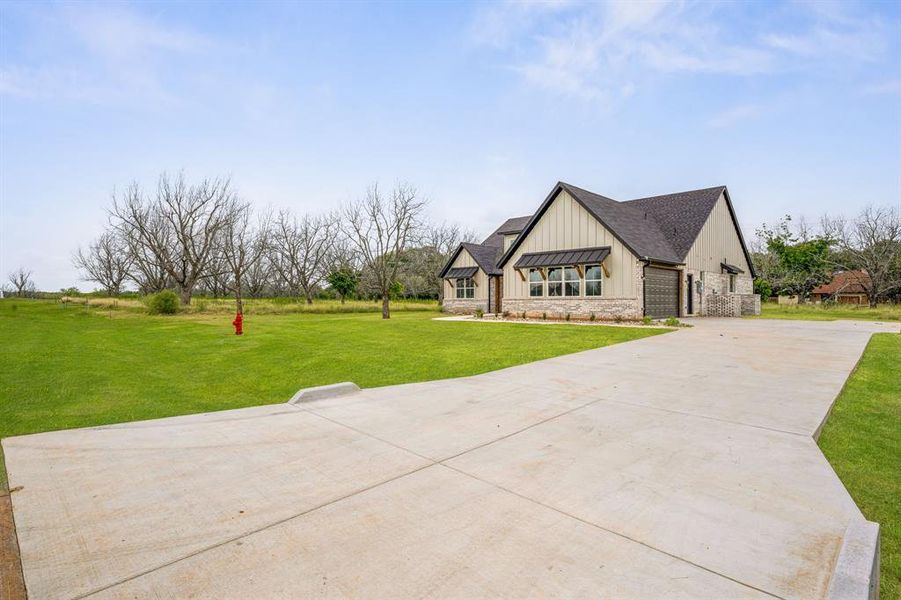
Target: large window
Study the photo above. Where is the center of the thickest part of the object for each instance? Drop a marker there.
(465, 287)
(563, 281)
(593, 280)
(536, 283)
(572, 283)
(555, 281)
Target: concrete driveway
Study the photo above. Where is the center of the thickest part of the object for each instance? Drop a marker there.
(681, 465)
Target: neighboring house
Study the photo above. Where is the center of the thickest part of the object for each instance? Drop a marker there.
(583, 255)
(846, 287)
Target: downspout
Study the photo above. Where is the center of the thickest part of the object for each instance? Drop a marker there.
(644, 291)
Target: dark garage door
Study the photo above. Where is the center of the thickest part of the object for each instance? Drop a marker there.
(661, 292)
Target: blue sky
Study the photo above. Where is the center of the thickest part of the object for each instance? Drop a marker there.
(484, 106)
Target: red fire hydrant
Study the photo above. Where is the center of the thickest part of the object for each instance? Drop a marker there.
(239, 324)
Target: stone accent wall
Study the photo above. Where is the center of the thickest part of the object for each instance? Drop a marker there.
(723, 305)
(750, 304)
(460, 306)
(577, 308)
(717, 301)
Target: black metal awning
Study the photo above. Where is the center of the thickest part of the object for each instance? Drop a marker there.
(459, 272)
(731, 269)
(559, 258)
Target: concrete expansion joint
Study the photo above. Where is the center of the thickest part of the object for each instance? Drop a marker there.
(443, 463)
(611, 531)
(695, 415)
(249, 533)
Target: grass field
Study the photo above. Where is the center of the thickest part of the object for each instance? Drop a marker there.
(65, 365)
(254, 306)
(862, 440)
(830, 312)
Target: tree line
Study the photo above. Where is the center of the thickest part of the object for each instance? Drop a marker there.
(204, 238)
(794, 257)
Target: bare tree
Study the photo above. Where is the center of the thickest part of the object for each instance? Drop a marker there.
(243, 246)
(443, 240)
(180, 227)
(381, 228)
(258, 277)
(146, 271)
(300, 251)
(21, 282)
(872, 242)
(107, 262)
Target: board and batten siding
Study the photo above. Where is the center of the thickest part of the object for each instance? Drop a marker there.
(465, 259)
(566, 225)
(717, 241)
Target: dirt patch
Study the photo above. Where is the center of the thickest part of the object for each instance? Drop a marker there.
(12, 584)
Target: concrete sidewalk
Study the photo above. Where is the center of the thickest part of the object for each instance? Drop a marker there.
(680, 465)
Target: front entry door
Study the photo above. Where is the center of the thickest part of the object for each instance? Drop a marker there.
(691, 294)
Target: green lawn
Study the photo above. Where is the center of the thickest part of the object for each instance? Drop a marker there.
(862, 440)
(64, 365)
(830, 312)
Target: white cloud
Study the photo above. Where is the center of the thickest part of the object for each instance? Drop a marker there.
(598, 52)
(734, 115)
(889, 87)
(107, 55)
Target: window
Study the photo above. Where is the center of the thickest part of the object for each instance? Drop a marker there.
(563, 281)
(555, 281)
(536, 283)
(465, 287)
(732, 284)
(593, 280)
(572, 283)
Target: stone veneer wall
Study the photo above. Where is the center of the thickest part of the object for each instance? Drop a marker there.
(717, 301)
(582, 307)
(461, 306)
(723, 305)
(750, 304)
(577, 307)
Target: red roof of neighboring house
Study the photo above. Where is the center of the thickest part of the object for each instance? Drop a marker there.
(845, 282)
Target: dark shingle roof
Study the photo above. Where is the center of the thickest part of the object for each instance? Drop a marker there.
(556, 258)
(662, 228)
(680, 216)
(514, 225)
(485, 256)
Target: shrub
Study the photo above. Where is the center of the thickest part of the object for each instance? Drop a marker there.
(523, 314)
(672, 322)
(544, 316)
(618, 318)
(763, 287)
(567, 316)
(479, 313)
(163, 303)
(647, 320)
(506, 313)
(592, 317)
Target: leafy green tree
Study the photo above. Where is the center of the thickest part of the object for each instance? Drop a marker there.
(344, 281)
(763, 287)
(802, 261)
